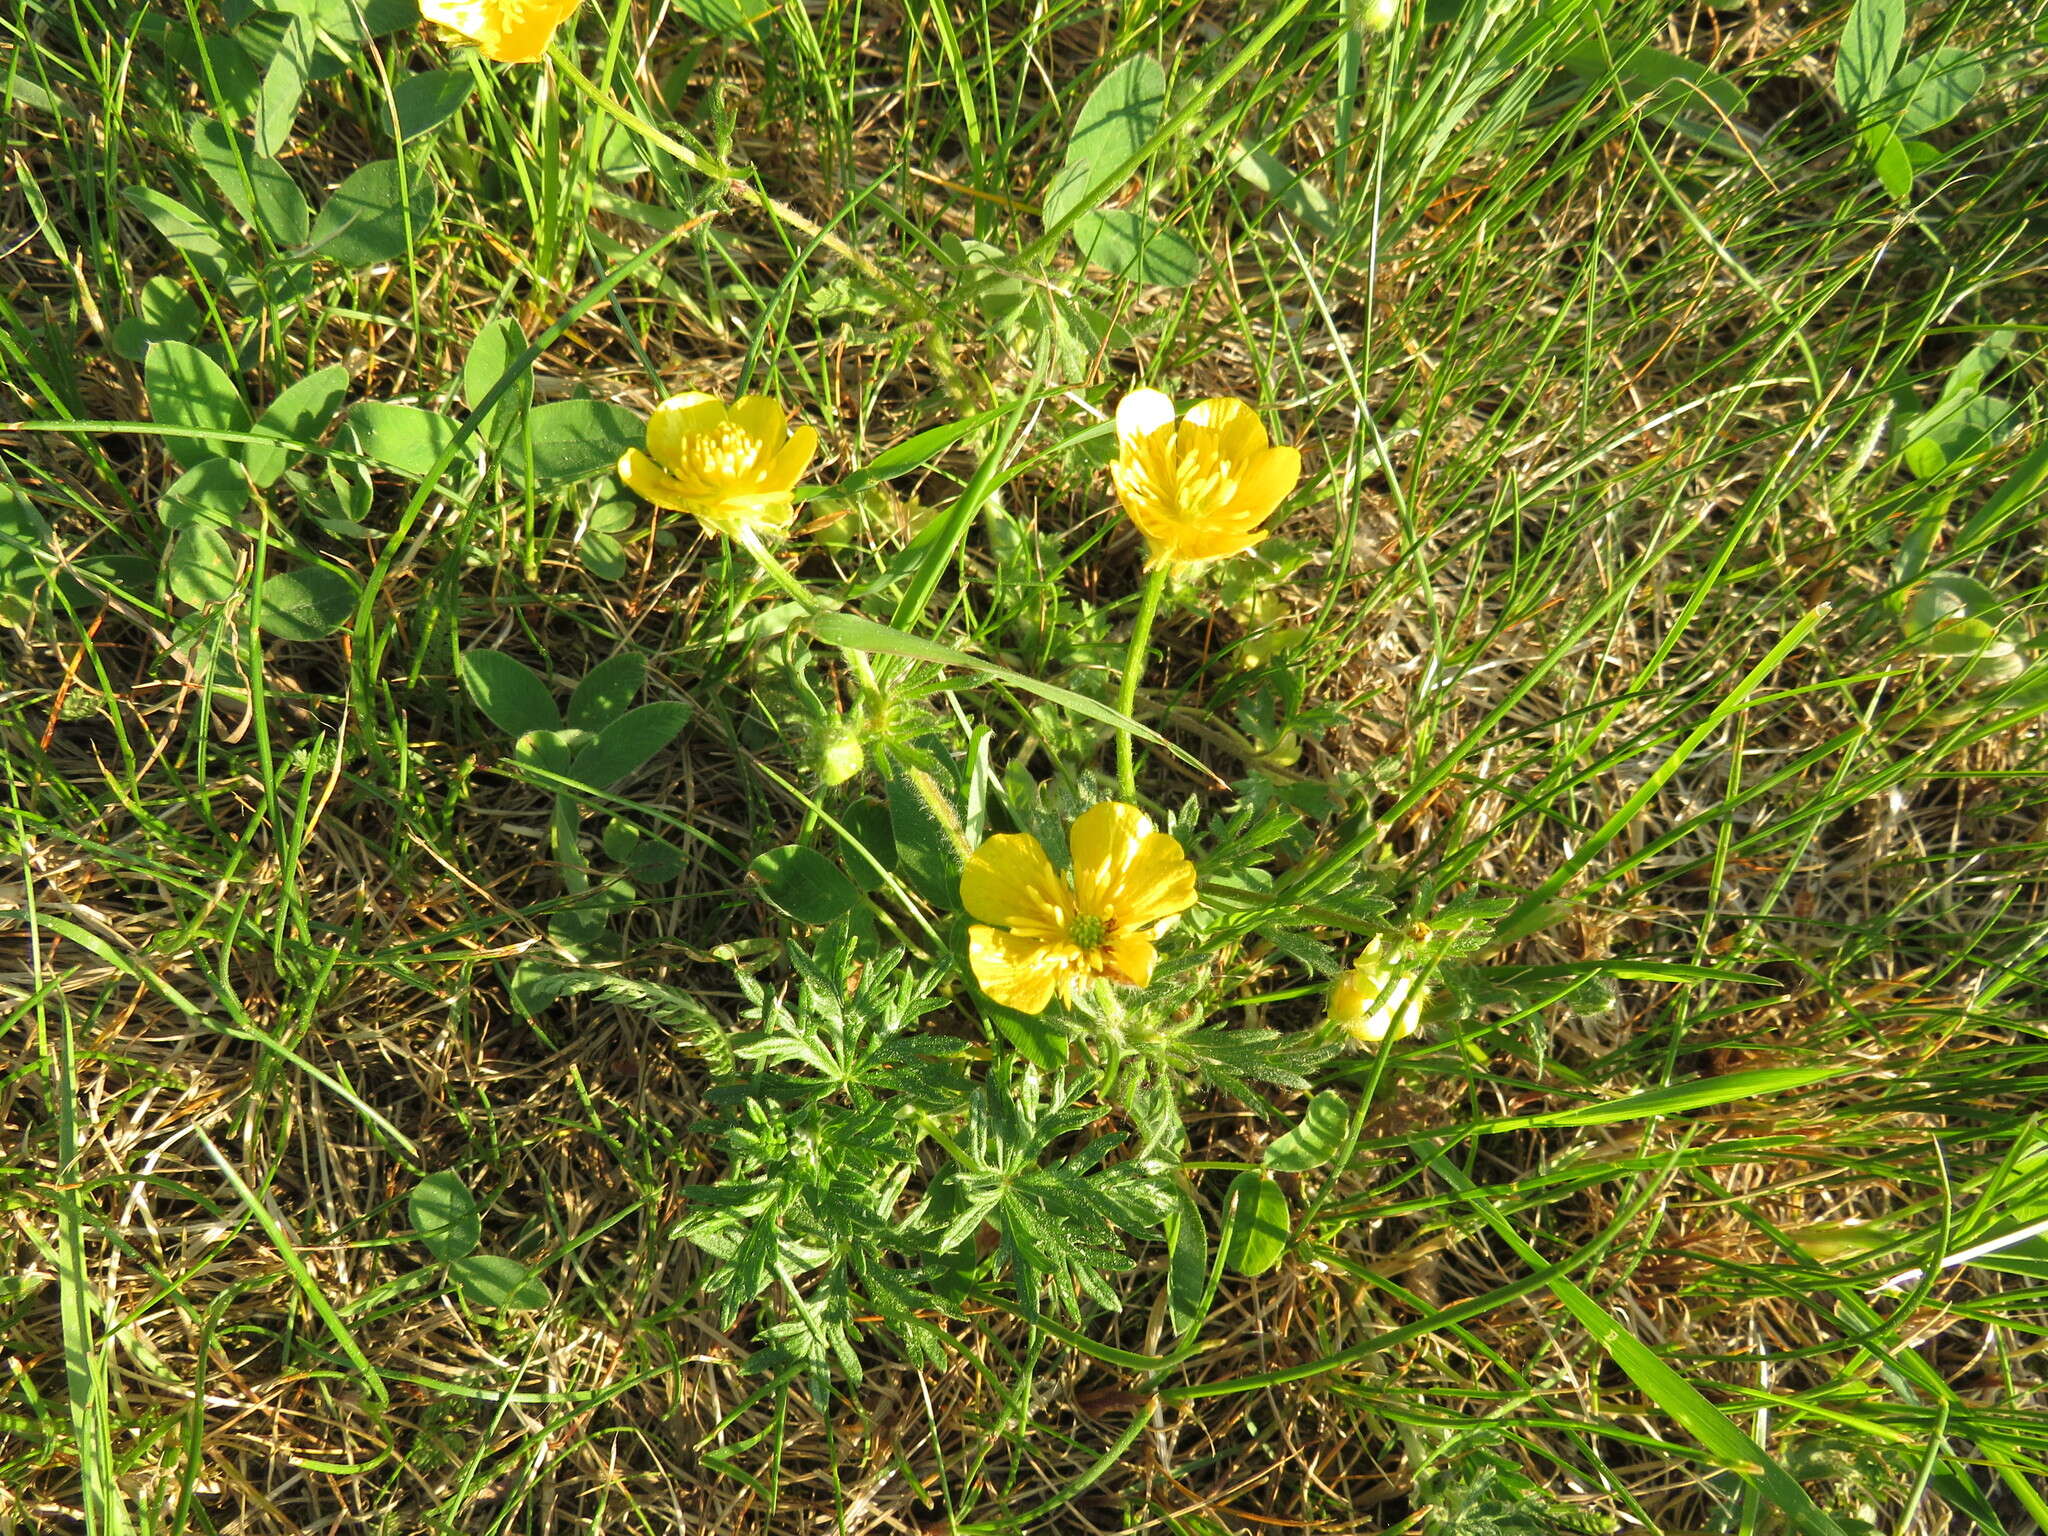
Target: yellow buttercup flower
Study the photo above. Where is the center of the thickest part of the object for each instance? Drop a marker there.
(1200, 486)
(509, 31)
(734, 467)
(1037, 931)
(1378, 999)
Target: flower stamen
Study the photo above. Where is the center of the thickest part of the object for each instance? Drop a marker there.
(1088, 930)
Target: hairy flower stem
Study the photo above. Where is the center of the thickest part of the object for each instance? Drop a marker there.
(778, 574)
(1134, 668)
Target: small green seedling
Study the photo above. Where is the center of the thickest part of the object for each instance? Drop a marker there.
(445, 1220)
(1895, 104)
(581, 756)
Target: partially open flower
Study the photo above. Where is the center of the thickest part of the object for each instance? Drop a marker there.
(734, 467)
(508, 31)
(1037, 931)
(1377, 999)
(1202, 486)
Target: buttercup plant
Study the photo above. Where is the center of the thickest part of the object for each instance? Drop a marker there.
(1069, 957)
(1199, 488)
(533, 907)
(946, 1069)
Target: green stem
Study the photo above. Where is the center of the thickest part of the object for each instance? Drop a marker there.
(1134, 668)
(778, 574)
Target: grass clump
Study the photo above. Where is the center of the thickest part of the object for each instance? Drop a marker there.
(677, 859)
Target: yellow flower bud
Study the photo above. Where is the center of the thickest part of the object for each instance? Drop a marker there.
(1282, 751)
(1377, 1000)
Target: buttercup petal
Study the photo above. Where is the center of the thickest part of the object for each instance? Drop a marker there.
(1141, 413)
(760, 418)
(1348, 999)
(1389, 1011)
(510, 33)
(1238, 431)
(1220, 541)
(1189, 543)
(678, 417)
(1010, 883)
(1124, 870)
(787, 467)
(1269, 481)
(648, 479)
(1103, 840)
(1018, 973)
(1139, 494)
(1375, 999)
(1130, 958)
(1158, 883)
(523, 32)
(469, 17)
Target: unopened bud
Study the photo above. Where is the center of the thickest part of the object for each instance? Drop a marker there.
(1377, 999)
(1258, 609)
(840, 754)
(1837, 1242)
(1282, 751)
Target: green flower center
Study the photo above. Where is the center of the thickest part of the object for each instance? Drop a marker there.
(1088, 930)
